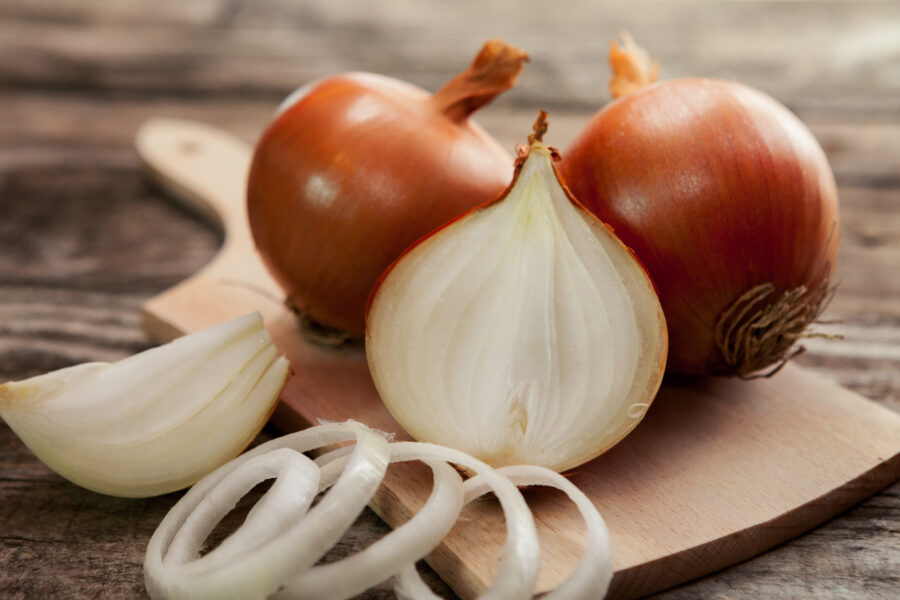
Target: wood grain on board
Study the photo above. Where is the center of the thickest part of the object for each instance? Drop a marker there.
(84, 240)
(719, 470)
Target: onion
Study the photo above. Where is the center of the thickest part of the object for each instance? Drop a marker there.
(522, 333)
(409, 542)
(154, 422)
(171, 569)
(592, 575)
(356, 167)
(727, 199)
(271, 552)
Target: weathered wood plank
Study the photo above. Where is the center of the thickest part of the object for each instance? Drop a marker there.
(864, 155)
(815, 56)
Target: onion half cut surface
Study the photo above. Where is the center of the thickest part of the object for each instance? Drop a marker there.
(524, 332)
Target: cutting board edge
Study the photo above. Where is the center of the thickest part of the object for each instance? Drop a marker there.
(158, 329)
(634, 581)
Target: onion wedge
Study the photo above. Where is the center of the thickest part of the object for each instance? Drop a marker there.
(154, 422)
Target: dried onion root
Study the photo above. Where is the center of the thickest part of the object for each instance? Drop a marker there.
(272, 553)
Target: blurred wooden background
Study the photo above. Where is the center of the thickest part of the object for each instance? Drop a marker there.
(84, 239)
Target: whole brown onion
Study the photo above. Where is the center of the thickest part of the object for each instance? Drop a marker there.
(356, 167)
(727, 199)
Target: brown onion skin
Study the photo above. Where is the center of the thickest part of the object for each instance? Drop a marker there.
(351, 173)
(717, 188)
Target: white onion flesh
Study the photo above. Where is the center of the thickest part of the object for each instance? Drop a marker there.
(271, 553)
(154, 422)
(523, 333)
(518, 570)
(406, 544)
(592, 575)
(171, 567)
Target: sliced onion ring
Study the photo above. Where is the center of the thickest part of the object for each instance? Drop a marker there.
(271, 554)
(406, 544)
(592, 574)
(518, 570)
(263, 569)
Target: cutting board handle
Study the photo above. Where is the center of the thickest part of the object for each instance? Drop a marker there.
(205, 170)
(202, 167)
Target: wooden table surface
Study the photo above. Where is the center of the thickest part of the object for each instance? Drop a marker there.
(85, 239)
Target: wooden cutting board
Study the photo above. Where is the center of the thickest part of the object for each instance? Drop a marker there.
(717, 472)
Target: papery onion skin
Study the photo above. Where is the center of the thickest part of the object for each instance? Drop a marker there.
(358, 166)
(719, 189)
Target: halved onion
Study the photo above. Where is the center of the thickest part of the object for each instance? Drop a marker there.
(524, 332)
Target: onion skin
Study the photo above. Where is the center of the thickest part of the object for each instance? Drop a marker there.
(719, 189)
(359, 167)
